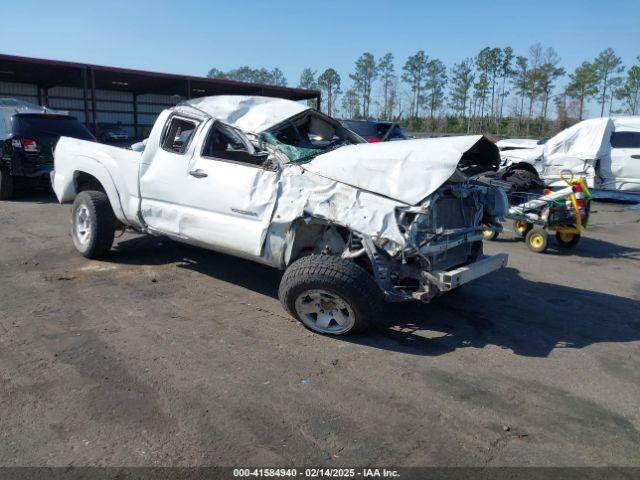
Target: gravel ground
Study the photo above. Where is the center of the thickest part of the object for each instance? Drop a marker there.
(170, 355)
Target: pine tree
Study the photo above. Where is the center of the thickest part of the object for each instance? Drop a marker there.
(629, 92)
(583, 85)
(414, 74)
(462, 78)
(436, 81)
(386, 70)
(366, 72)
(329, 83)
(606, 64)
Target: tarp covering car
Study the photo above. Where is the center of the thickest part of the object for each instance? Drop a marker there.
(585, 140)
(603, 151)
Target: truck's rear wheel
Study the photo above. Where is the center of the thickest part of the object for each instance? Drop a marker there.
(330, 295)
(93, 225)
(6, 185)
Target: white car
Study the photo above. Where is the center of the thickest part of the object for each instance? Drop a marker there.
(606, 151)
(276, 182)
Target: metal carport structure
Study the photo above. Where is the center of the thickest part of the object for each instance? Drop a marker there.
(94, 93)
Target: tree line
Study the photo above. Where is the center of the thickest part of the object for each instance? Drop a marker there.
(495, 92)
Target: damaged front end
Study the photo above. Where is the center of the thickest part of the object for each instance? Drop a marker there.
(412, 213)
(443, 243)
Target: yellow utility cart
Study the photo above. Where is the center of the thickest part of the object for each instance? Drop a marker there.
(564, 211)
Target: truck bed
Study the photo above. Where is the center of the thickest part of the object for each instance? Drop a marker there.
(115, 168)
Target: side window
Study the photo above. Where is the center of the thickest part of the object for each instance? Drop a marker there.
(625, 140)
(177, 136)
(226, 144)
(397, 133)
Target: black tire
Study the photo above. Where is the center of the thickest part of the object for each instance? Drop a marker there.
(537, 240)
(522, 178)
(565, 242)
(521, 228)
(99, 229)
(6, 185)
(339, 278)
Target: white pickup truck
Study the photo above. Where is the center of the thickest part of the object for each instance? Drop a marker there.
(279, 183)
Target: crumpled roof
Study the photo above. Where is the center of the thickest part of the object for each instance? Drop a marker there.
(408, 171)
(251, 114)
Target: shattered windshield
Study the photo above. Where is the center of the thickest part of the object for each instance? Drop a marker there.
(303, 137)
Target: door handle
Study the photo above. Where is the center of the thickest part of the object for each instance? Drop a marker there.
(198, 173)
(635, 156)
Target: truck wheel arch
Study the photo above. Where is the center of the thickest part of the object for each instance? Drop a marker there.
(83, 181)
(309, 235)
(100, 181)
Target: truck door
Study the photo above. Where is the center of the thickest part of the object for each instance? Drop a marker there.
(221, 196)
(621, 169)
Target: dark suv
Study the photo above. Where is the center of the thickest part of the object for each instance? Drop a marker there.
(26, 146)
(376, 131)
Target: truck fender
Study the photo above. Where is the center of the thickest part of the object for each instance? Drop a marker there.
(103, 177)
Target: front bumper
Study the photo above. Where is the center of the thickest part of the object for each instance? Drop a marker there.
(459, 276)
(446, 280)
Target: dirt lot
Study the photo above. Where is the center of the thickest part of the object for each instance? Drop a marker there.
(171, 355)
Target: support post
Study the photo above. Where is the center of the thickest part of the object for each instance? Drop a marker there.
(93, 102)
(188, 85)
(85, 98)
(135, 116)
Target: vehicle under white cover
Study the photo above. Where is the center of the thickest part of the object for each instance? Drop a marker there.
(603, 151)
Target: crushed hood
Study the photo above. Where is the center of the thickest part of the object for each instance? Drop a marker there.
(407, 171)
(248, 113)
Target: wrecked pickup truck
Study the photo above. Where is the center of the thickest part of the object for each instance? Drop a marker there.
(277, 182)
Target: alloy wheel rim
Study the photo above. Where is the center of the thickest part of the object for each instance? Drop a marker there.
(324, 311)
(82, 225)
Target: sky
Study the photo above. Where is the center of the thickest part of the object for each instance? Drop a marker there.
(190, 37)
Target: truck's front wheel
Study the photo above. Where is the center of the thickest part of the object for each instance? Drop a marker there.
(330, 295)
(93, 225)
(6, 185)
